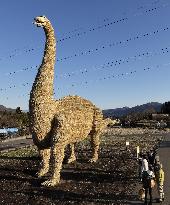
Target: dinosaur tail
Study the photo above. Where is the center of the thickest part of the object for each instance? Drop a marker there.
(99, 123)
(108, 121)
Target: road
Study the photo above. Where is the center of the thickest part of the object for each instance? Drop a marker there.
(164, 153)
(12, 144)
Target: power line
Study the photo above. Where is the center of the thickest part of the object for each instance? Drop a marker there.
(20, 70)
(112, 76)
(137, 37)
(118, 62)
(94, 29)
(111, 22)
(120, 75)
(88, 52)
(102, 66)
(86, 82)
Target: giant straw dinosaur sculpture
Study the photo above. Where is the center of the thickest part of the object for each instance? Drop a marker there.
(57, 123)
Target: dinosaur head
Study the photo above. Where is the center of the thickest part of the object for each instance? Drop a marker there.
(41, 21)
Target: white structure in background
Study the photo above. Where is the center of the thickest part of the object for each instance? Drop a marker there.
(8, 131)
(3, 131)
(137, 151)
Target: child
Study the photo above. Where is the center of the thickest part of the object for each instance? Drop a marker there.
(160, 182)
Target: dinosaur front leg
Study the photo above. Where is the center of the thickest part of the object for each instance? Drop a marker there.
(72, 157)
(57, 157)
(45, 158)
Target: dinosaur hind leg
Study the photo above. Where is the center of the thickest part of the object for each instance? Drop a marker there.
(95, 146)
(95, 138)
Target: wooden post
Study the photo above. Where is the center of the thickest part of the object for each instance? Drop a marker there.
(137, 152)
(127, 145)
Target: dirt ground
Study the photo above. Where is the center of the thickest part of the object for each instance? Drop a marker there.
(111, 180)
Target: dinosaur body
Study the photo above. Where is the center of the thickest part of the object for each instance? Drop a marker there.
(57, 123)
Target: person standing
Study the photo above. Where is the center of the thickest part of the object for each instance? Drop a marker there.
(148, 184)
(151, 157)
(145, 165)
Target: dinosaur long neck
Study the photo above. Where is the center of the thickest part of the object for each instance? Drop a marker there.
(43, 85)
(41, 104)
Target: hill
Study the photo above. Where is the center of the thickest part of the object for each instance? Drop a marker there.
(3, 108)
(12, 117)
(119, 112)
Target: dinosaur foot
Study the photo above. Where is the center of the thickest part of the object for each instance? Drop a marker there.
(71, 159)
(42, 173)
(92, 160)
(50, 182)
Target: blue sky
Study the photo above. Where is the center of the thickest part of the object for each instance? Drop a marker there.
(122, 50)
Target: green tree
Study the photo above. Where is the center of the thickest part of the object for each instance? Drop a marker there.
(18, 110)
(165, 109)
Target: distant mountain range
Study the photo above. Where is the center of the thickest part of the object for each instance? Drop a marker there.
(119, 112)
(3, 108)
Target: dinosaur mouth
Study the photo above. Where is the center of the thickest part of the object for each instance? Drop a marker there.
(37, 22)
